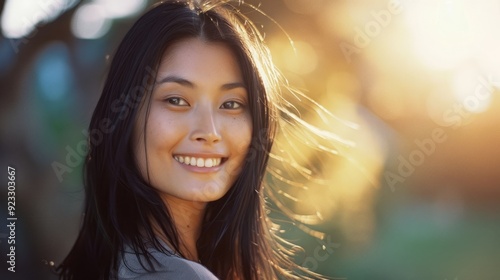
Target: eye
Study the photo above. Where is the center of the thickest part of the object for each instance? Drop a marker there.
(231, 105)
(177, 101)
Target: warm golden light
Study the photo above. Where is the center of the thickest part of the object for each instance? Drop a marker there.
(441, 32)
(449, 33)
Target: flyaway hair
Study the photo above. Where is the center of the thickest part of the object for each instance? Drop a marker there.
(122, 209)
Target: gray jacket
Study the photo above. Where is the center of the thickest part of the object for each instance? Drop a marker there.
(166, 267)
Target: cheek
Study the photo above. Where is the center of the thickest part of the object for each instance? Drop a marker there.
(162, 134)
(242, 133)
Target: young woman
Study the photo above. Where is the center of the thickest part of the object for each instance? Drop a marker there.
(174, 187)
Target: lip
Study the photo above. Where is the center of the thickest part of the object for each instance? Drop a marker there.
(201, 155)
(197, 169)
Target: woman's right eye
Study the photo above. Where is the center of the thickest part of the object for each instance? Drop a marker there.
(177, 101)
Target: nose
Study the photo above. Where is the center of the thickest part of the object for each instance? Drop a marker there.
(205, 128)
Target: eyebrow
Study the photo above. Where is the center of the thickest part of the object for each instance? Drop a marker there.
(187, 83)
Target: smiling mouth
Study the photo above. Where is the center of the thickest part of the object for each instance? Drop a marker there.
(199, 162)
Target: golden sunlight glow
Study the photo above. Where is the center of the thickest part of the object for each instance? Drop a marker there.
(400, 69)
(306, 7)
(441, 32)
(448, 33)
(472, 91)
(299, 58)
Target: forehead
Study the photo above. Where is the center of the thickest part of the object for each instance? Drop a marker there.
(195, 58)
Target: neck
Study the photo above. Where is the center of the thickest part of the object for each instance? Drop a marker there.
(187, 217)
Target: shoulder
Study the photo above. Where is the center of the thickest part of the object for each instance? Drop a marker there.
(134, 266)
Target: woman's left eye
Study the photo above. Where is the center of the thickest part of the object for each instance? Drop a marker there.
(231, 105)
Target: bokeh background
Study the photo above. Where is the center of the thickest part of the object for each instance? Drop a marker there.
(418, 195)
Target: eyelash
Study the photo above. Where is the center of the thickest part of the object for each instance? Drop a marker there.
(171, 99)
(177, 100)
(233, 102)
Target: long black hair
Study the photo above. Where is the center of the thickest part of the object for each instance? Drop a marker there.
(121, 206)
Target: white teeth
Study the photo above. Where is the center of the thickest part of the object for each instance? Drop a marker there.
(199, 162)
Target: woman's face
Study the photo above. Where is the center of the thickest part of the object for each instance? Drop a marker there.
(199, 127)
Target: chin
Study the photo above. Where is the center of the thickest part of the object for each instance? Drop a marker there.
(210, 192)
